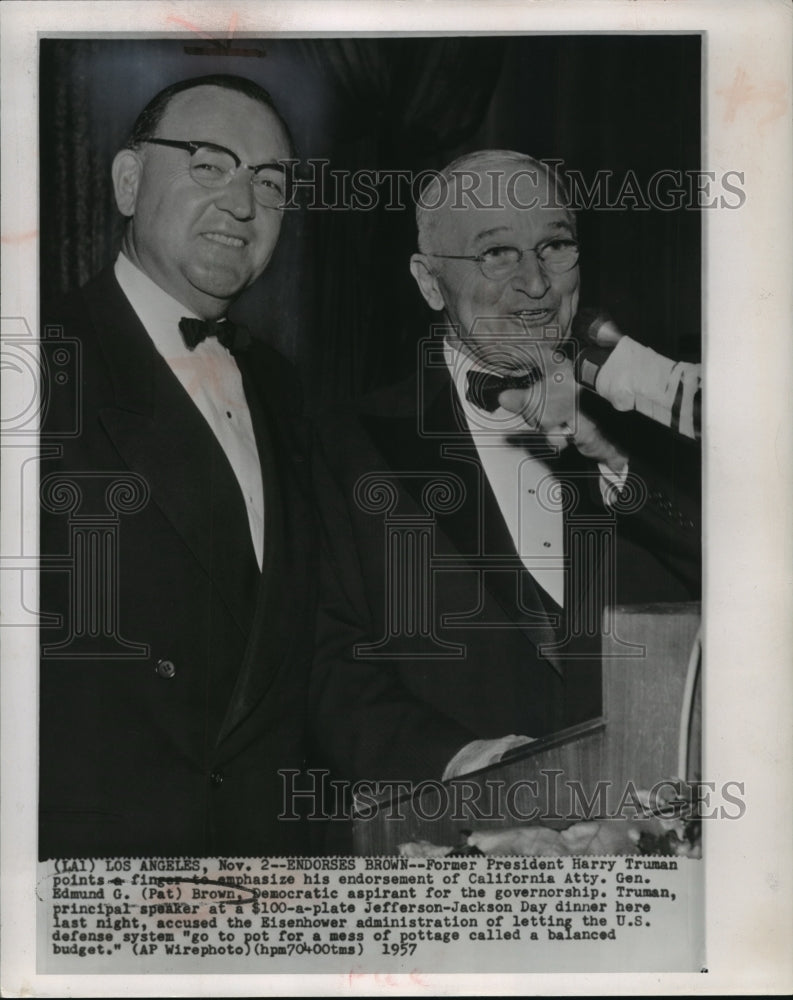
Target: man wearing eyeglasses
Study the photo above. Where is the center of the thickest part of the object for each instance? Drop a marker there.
(172, 691)
(458, 616)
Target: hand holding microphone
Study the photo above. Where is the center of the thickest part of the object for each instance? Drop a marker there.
(633, 377)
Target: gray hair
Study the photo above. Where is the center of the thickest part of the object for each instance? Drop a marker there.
(434, 195)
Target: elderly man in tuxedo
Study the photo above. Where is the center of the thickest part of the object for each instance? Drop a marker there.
(175, 536)
(479, 517)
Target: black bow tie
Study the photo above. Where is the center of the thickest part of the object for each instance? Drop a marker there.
(484, 388)
(233, 336)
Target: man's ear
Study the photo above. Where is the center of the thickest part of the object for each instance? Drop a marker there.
(427, 281)
(126, 172)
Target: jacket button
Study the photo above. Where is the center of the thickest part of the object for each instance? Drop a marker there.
(216, 778)
(166, 668)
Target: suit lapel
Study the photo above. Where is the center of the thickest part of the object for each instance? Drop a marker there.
(264, 653)
(160, 434)
(476, 528)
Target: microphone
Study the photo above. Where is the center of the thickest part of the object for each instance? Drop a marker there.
(633, 377)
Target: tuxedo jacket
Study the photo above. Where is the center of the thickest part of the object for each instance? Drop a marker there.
(173, 673)
(431, 632)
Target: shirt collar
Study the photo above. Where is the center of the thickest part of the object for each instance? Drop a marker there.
(158, 311)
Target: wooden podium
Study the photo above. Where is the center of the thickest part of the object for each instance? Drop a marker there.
(649, 727)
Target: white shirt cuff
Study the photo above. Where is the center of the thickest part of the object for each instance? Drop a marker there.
(611, 483)
(481, 753)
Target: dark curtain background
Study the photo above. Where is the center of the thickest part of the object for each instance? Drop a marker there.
(338, 297)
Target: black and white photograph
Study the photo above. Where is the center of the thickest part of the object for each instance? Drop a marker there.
(388, 599)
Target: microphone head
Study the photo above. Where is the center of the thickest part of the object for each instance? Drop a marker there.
(595, 327)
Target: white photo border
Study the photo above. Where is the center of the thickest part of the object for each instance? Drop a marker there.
(748, 302)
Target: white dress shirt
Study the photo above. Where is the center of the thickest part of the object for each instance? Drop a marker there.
(210, 377)
(521, 483)
(523, 488)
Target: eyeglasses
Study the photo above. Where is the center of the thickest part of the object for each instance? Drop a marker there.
(501, 262)
(213, 166)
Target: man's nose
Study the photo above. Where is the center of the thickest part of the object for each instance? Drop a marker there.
(530, 276)
(237, 196)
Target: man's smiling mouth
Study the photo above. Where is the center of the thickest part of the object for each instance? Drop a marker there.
(224, 239)
(535, 315)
